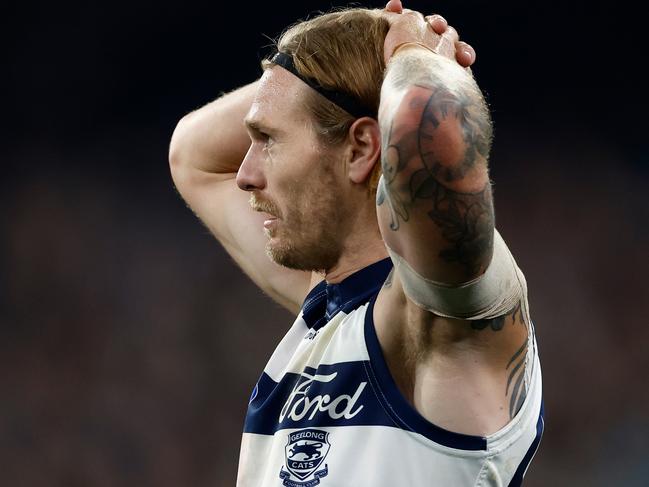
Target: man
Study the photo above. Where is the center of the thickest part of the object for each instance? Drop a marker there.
(425, 373)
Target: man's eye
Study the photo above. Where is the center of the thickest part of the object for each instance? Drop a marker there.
(268, 140)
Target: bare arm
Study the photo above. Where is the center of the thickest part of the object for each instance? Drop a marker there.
(434, 198)
(435, 211)
(206, 151)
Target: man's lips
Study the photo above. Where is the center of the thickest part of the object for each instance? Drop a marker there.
(269, 222)
(269, 217)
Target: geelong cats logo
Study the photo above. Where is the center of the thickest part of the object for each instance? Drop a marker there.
(305, 452)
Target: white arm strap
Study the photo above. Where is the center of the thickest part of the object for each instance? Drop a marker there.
(494, 293)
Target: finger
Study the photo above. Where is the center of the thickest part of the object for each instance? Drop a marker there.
(451, 34)
(464, 54)
(446, 43)
(394, 6)
(437, 23)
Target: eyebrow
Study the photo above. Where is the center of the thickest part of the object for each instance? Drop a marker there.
(258, 126)
(254, 125)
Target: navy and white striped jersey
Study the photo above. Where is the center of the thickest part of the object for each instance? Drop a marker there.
(326, 410)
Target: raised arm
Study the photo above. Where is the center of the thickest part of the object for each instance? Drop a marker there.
(206, 151)
(434, 198)
(466, 297)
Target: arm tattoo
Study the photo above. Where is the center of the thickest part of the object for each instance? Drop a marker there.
(465, 219)
(516, 368)
(516, 365)
(497, 323)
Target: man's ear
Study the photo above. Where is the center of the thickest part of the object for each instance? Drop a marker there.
(365, 146)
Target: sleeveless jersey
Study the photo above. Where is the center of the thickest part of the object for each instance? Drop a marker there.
(327, 412)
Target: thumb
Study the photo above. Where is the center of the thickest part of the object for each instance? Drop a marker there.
(394, 6)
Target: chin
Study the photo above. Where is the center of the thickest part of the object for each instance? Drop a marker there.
(303, 257)
(285, 256)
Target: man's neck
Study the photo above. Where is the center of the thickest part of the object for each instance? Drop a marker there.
(356, 258)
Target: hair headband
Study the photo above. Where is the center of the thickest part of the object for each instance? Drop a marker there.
(349, 103)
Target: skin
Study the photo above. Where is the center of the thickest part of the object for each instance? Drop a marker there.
(307, 186)
(449, 45)
(302, 191)
(435, 209)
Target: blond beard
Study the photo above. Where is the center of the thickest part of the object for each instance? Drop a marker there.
(308, 239)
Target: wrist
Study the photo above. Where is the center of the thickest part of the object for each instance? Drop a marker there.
(411, 45)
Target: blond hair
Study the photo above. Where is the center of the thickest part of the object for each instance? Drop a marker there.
(341, 51)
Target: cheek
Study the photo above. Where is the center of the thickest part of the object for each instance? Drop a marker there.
(298, 177)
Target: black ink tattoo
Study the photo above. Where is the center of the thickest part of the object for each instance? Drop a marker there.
(392, 163)
(516, 365)
(497, 324)
(476, 133)
(517, 376)
(466, 220)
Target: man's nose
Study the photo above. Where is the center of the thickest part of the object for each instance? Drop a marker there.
(250, 176)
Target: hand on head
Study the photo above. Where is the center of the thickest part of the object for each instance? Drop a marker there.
(432, 31)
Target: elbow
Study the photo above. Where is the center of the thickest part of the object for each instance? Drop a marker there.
(178, 145)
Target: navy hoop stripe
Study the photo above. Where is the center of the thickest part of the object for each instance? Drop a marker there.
(401, 411)
(517, 479)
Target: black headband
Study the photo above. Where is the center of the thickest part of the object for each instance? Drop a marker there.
(349, 103)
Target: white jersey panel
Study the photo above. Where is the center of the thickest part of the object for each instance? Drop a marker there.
(327, 412)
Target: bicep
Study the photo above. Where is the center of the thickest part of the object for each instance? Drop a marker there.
(225, 211)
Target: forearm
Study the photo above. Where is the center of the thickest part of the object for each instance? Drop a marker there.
(206, 151)
(213, 138)
(434, 198)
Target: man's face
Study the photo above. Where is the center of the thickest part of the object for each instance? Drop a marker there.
(292, 177)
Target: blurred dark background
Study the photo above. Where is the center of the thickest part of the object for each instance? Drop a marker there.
(129, 341)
